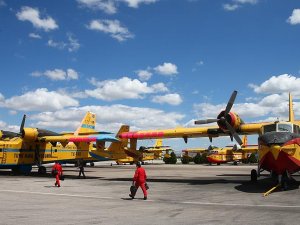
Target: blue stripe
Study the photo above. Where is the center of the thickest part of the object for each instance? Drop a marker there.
(87, 126)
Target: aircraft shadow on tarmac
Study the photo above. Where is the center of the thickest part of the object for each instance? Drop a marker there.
(262, 185)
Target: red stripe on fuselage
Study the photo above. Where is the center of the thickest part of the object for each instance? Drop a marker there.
(136, 135)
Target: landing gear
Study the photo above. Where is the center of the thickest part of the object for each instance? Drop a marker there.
(92, 164)
(42, 170)
(253, 175)
(235, 163)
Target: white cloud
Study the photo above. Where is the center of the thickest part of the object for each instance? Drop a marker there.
(110, 6)
(278, 84)
(246, 1)
(72, 45)
(39, 100)
(109, 118)
(57, 74)
(230, 7)
(7, 127)
(111, 27)
(123, 88)
(107, 6)
(33, 15)
(135, 3)
(35, 36)
(172, 99)
(144, 75)
(166, 69)
(295, 17)
(237, 4)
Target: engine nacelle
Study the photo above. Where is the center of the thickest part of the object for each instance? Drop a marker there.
(30, 134)
(232, 118)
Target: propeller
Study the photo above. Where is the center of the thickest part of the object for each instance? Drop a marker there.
(222, 119)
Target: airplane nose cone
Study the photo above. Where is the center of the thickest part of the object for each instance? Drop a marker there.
(275, 150)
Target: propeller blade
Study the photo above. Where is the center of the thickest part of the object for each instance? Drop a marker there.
(23, 123)
(233, 133)
(206, 121)
(230, 102)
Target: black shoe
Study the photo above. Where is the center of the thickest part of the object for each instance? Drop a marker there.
(130, 195)
(145, 198)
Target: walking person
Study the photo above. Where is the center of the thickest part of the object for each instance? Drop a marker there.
(57, 172)
(81, 168)
(139, 180)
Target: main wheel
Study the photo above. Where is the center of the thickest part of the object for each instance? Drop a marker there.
(235, 163)
(92, 164)
(253, 175)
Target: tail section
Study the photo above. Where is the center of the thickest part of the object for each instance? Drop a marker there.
(158, 143)
(245, 141)
(122, 144)
(87, 124)
(291, 110)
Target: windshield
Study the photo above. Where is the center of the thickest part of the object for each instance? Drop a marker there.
(269, 128)
(285, 127)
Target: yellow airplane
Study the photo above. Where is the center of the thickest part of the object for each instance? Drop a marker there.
(119, 152)
(279, 142)
(231, 153)
(158, 149)
(35, 146)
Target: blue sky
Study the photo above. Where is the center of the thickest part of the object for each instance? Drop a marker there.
(147, 63)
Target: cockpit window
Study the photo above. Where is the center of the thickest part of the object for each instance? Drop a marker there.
(296, 129)
(285, 127)
(269, 128)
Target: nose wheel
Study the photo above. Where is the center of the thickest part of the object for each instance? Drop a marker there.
(254, 175)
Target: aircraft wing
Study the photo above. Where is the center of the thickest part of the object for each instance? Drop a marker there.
(79, 138)
(208, 131)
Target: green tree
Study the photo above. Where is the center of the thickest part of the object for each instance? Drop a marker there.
(173, 158)
(185, 160)
(198, 159)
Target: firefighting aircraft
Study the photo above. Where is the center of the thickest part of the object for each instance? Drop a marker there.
(233, 154)
(119, 152)
(35, 146)
(279, 142)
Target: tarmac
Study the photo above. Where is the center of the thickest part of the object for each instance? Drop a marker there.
(178, 194)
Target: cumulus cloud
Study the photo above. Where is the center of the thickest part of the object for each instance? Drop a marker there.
(109, 118)
(7, 127)
(136, 3)
(72, 45)
(144, 75)
(278, 84)
(295, 17)
(123, 88)
(33, 15)
(110, 6)
(35, 36)
(237, 4)
(111, 27)
(2, 3)
(166, 69)
(57, 74)
(171, 99)
(107, 6)
(39, 100)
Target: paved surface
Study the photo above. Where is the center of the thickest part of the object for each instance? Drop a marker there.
(179, 194)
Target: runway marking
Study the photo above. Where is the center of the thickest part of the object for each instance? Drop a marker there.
(55, 194)
(157, 201)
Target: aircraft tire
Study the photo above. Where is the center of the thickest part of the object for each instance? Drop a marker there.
(42, 170)
(253, 175)
(235, 163)
(92, 164)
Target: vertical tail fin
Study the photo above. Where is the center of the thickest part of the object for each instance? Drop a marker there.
(291, 110)
(245, 141)
(119, 146)
(158, 143)
(87, 124)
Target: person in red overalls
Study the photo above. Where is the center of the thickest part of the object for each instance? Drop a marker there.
(140, 180)
(59, 173)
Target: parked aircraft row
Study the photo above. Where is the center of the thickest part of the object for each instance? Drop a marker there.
(278, 142)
